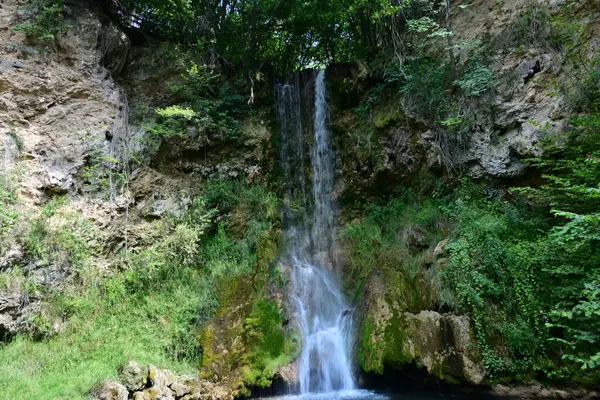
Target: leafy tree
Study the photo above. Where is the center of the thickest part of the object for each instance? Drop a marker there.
(572, 190)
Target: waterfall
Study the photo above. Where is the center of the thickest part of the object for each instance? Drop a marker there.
(321, 311)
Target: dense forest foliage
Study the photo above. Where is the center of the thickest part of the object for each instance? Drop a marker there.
(522, 261)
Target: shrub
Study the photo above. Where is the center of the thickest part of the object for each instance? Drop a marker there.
(59, 237)
(47, 21)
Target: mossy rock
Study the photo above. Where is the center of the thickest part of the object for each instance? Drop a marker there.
(246, 343)
(390, 335)
(385, 115)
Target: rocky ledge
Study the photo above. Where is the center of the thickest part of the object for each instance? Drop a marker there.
(150, 383)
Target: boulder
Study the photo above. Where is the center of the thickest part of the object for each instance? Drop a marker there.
(132, 375)
(159, 385)
(289, 373)
(443, 344)
(396, 331)
(109, 390)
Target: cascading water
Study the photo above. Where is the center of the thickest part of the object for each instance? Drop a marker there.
(324, 317)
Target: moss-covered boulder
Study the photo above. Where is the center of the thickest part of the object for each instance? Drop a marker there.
(246, 343)
(392, 333)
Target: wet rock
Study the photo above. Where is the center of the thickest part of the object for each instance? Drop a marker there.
(109, 390)
(392, 336)
(541, 392)
(444, 345)
(289, 373)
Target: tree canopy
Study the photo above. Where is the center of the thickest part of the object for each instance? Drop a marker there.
(281, 34)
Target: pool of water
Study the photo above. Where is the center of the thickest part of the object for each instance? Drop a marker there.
(381, 395)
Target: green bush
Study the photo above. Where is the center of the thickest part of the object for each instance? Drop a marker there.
(494, 265)
(384, 238)
(47, 21)
(58, 237)
(267, 342)
(571, 166)
(8, 214)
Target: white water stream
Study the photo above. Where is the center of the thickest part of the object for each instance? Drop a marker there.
(324, 316)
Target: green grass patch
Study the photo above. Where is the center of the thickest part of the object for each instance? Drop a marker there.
(152, 306)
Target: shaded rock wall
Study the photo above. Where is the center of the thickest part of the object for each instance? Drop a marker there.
(392, 333)
(523, 104)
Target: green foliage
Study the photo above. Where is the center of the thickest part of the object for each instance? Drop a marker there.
(426, 87)
(105, 325)
(18, 140)
(268, 346)
(433, 88)
(152, 307)
(533, 26)
(207, 108)
(8, 200)
(382, 346)
(572, 171)
(268, 34)
(476, 80)
(58, 237)
(582, 86)
(102, 174)
(500, 267)
(391, 237)
(494, 265)
(176, 112)
(47, 21)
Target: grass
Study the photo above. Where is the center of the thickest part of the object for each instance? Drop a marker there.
(151, 307)
(107, 327)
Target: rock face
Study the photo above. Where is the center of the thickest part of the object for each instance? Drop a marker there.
(11, 311)
(391, 336)
(151, 383)
(510, 120)
(443, 344)
(60, 108)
